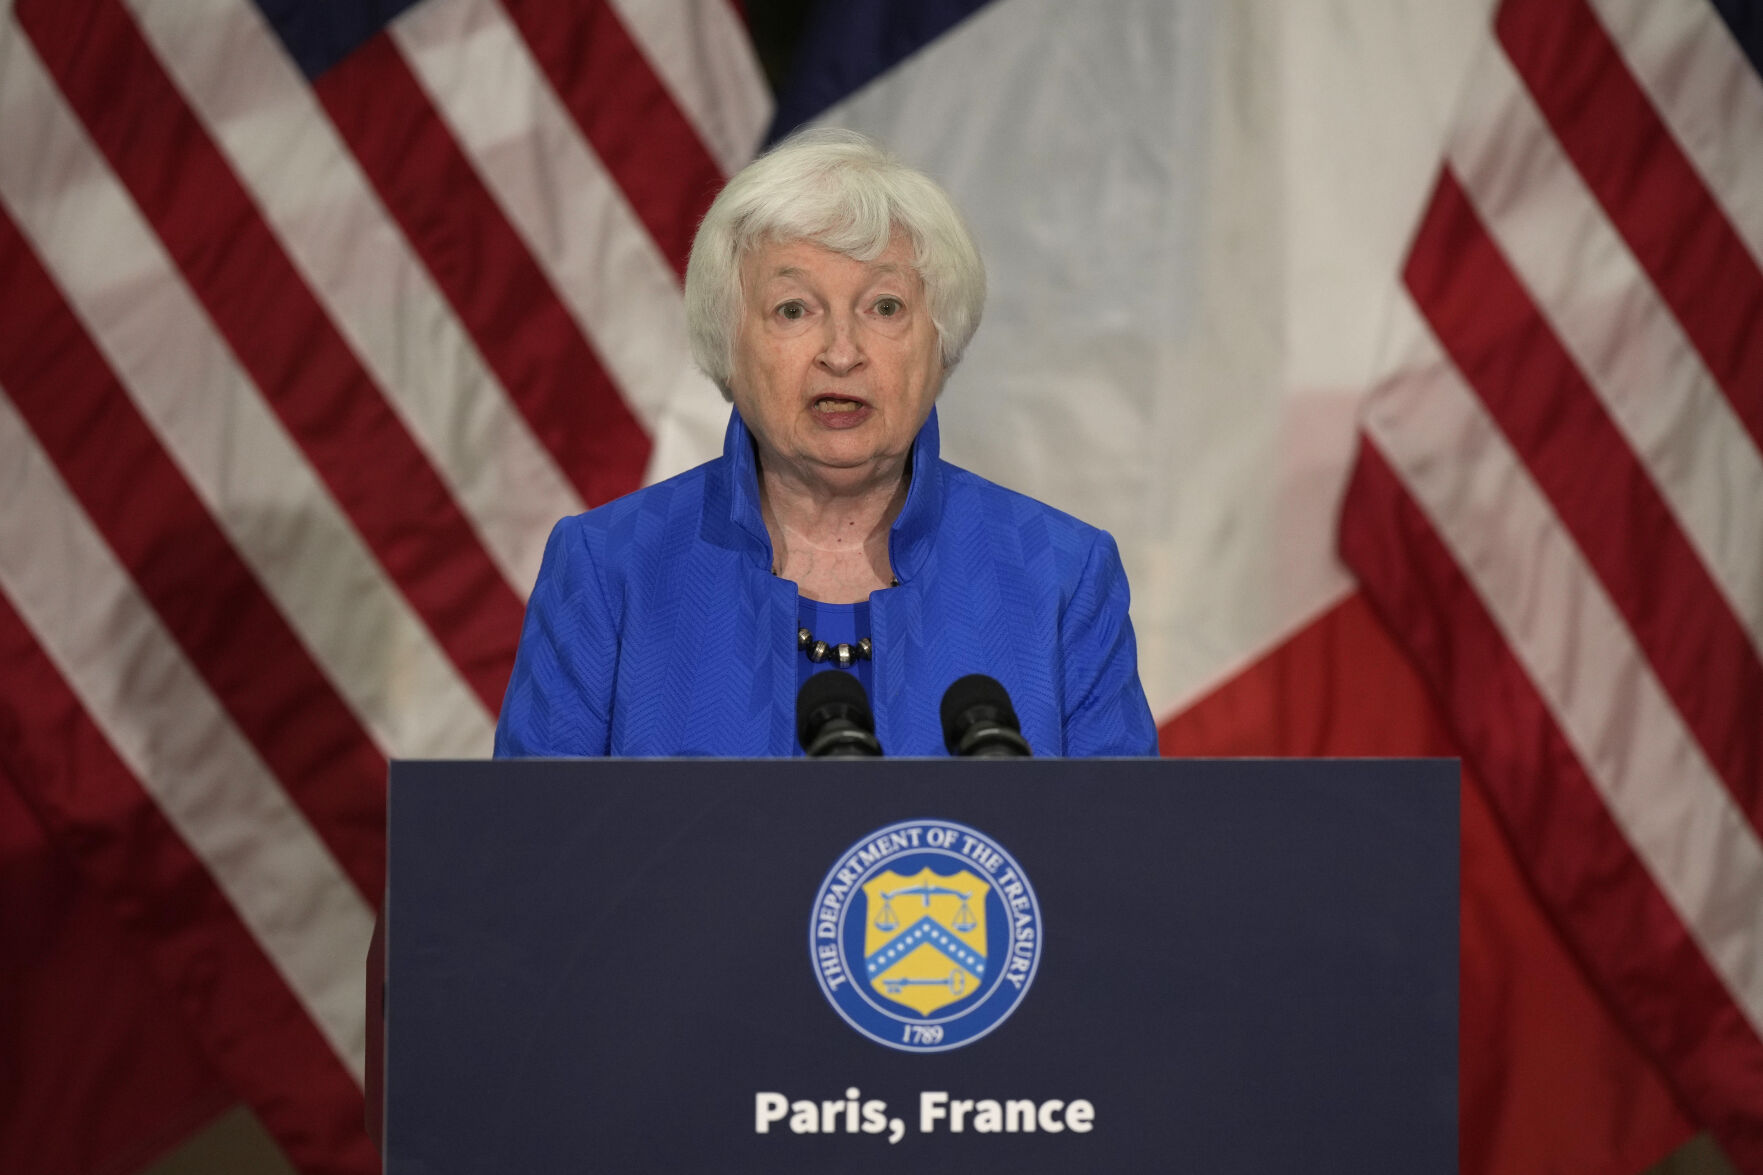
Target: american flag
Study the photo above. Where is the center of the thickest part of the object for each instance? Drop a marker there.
(1558, 506)
(313, 318)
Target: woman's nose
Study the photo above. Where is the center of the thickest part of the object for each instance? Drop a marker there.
(841, 352)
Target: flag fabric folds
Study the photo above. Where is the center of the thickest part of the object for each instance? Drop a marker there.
(313, 318)
(1558, 504)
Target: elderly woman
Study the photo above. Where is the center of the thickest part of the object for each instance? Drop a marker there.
(831, 289)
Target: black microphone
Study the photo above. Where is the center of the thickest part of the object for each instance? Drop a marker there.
(833, 719)
(980, 723)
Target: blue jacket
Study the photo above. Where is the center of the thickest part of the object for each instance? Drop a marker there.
(656, 627)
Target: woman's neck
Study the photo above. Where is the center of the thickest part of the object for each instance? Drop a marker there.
(834, 546)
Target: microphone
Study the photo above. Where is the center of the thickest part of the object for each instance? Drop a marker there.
(980, 723)
(833, 719)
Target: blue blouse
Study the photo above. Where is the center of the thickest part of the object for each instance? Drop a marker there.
(656, 627)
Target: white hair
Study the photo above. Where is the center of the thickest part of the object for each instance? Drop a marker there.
(845, 192)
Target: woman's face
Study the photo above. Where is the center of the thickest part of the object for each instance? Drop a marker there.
(837, 362)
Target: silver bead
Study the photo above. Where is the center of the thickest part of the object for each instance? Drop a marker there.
(864, 649)
(845, 657)
(818, 653)
(804, 638)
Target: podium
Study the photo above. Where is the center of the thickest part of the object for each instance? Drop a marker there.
(922, 965)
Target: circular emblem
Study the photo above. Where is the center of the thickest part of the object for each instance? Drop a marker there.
(925, 935)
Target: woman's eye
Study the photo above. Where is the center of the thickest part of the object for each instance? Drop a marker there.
(888, 307)
(791, 311)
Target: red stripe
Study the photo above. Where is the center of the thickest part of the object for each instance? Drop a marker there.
(278, 331)
(1547, 1080)
(186, 568)
(1339, 686)
(1610, 910)
(1531, 386)
(256, 1034)
(102, 1074)
(627, 115)
(1648, 186)
(482, 266)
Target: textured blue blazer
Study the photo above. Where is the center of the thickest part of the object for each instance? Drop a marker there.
(656, 627)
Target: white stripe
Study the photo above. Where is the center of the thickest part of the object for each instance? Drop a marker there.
(236, 455)
(608, 271)
(1190, 215)
(1603, 308)
(1705, 89)
(1554, 614)
(703, 55)
(154, 710)
(361, 269)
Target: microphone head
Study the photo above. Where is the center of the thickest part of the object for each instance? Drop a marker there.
(833, 716)
(979, 721)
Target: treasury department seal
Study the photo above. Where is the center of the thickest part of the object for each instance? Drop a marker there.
(925, 935)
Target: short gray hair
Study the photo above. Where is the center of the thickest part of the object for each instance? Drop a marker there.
(844, 192)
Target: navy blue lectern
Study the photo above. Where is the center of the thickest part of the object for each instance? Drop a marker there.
(922, 965)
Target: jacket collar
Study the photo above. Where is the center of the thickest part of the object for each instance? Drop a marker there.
(731, 500)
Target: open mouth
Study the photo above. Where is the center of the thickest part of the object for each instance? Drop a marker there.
(832, 405)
